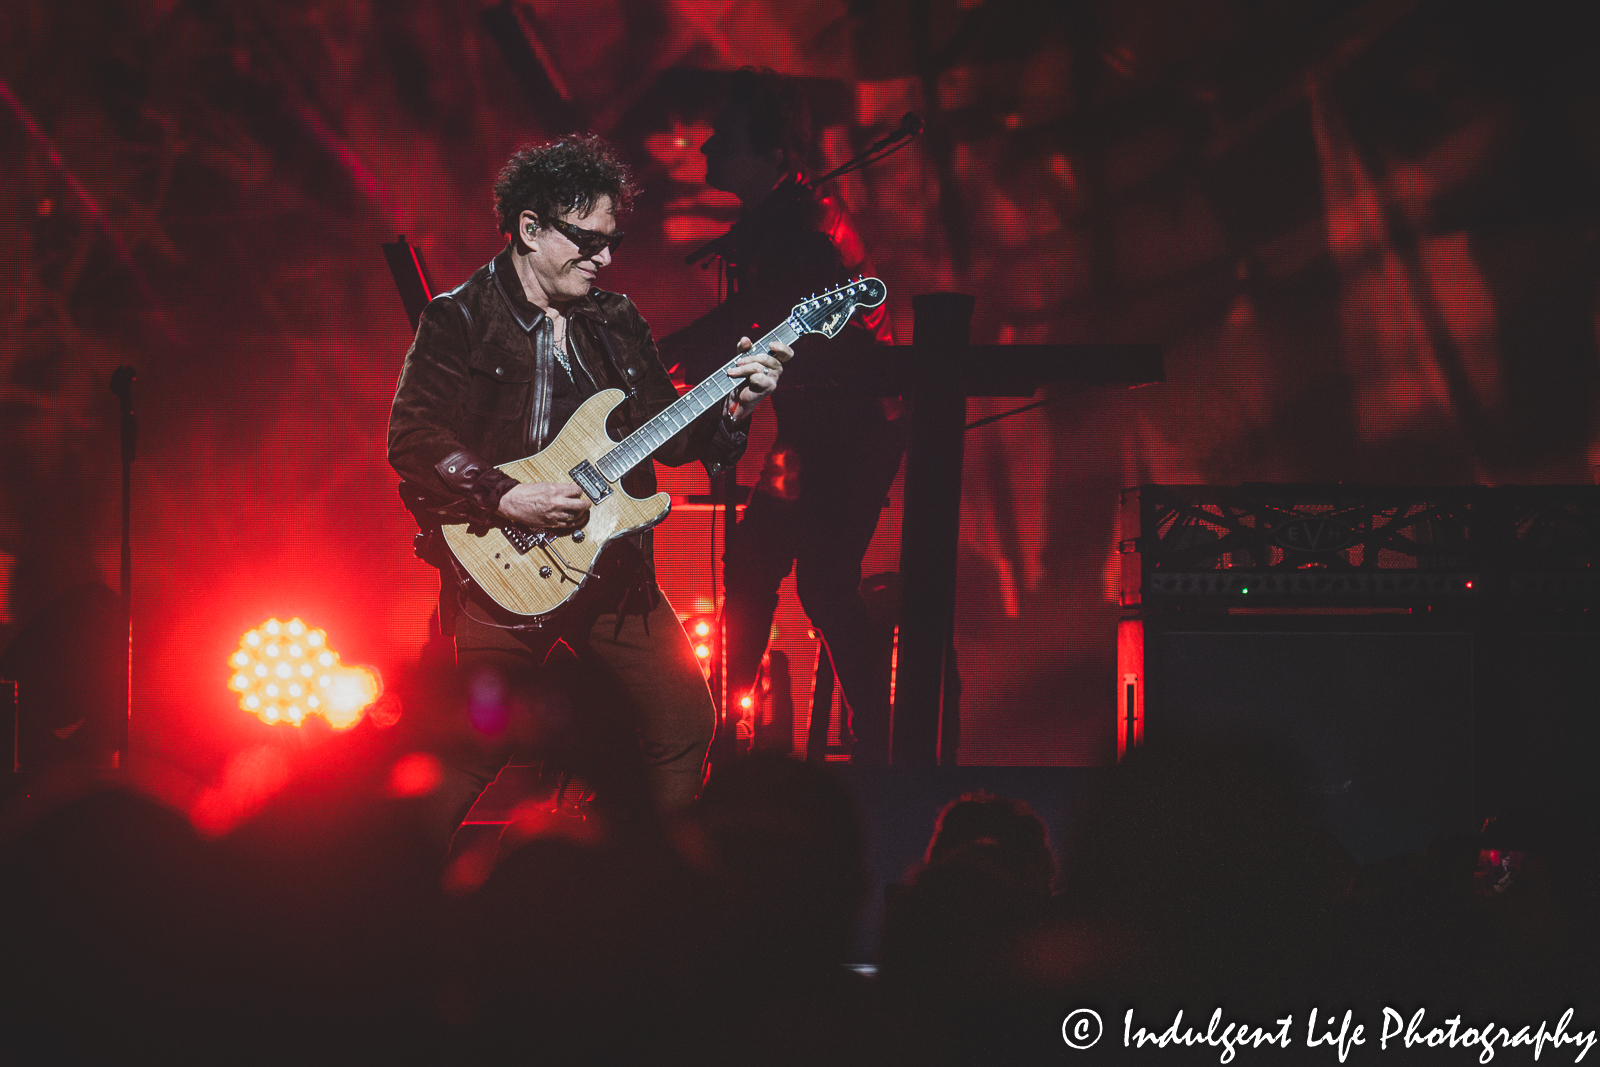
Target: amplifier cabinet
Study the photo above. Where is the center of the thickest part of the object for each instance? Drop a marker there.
(1374, 722)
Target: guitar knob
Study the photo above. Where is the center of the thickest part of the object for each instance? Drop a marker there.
(544, 572)
(577, 535)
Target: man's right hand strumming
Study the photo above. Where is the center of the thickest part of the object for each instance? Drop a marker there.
(545, 505)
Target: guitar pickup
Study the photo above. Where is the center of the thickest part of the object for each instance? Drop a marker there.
(591, 481)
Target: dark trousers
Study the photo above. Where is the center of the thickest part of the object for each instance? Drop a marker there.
(616, 699)
(822, 535)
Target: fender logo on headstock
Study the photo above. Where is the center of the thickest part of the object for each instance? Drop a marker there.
(828, 313)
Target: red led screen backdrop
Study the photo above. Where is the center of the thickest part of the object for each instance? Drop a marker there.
(1363, 234)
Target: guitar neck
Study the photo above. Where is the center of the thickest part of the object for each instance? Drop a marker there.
(643, 442)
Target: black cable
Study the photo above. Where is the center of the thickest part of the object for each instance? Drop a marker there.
(987, 419)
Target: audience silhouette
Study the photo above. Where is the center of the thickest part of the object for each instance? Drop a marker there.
(1192, 877)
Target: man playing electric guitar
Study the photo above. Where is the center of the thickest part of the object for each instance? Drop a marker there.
(498, 367)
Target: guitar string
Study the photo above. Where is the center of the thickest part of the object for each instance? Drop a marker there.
(643, 442)
(702, 397)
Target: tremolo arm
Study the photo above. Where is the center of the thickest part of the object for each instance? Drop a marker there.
(525, 539)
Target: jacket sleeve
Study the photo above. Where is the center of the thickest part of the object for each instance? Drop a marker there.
(711, 439)
(446, 478)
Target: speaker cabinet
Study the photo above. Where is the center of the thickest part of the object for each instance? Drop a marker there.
(1376, 724)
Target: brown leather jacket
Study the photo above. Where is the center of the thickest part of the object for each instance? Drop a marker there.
(475, 391)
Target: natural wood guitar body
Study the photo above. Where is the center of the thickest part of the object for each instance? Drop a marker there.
(542, 578)
(533, 572)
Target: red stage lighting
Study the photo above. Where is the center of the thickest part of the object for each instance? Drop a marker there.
(284, 671)
(702, 640)
(1130, 693)
(415, 775)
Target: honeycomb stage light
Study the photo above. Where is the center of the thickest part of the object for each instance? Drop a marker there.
(285, 671)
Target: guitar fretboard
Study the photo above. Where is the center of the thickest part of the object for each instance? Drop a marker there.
(643, 442)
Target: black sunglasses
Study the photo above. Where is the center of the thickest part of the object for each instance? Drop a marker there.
(589, 242)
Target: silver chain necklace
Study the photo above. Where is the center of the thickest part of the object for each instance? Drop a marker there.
(561, 353)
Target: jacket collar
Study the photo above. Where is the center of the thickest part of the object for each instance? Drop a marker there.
(526, 312)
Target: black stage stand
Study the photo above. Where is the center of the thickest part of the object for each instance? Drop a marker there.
(939, 370)
(122, 380)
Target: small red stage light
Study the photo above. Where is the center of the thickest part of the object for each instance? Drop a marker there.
(415, 775)
(286, 671)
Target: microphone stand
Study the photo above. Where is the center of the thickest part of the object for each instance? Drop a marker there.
(122, 380)
(910, 125)
(727, 493)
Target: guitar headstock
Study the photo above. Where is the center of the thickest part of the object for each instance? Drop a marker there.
(827, 312)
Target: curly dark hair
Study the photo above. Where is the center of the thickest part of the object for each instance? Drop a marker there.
(569, 175)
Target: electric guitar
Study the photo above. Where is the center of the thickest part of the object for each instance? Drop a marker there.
(532, 571)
